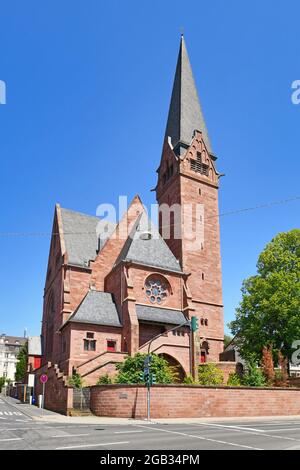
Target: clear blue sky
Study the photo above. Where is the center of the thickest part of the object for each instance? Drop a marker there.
(88, 89)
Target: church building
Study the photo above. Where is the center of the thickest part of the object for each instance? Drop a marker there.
(106, 296)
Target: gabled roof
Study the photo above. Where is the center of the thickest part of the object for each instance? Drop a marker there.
(81, 234)
(97, 308)
(185, 113)
(145, 246)
(159, 315)
(13, 340)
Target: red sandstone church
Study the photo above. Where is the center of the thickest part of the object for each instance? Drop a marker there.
(106, 297)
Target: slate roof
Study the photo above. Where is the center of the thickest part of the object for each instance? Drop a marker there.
(148, 252)
(97, 308)
(34, 346)
(185, 113)
(81, 234)
(13, 340)
(159, 315)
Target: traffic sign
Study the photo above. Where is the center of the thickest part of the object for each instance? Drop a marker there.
(43, 378)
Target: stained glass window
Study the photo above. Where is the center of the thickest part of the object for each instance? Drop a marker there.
(156, 290)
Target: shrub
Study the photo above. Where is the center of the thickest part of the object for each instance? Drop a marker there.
(210, 374)
(280, 379)
(76, 381)
(130, 371)
(253, 377)
(189, 380)
(234, 380)
(104, 379)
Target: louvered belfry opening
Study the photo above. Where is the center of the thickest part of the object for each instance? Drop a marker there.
(198, 166)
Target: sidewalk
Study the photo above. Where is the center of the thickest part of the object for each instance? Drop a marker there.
(31, 411)
(40, 415)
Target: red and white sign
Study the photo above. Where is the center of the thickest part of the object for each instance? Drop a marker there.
(43, 378)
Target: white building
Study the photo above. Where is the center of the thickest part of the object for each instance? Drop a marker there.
(9, 349)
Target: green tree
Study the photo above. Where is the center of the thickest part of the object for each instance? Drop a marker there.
(210, 374)
(21, 367)
(227, 340)
(76, 381)
(129, 371)
(268, 314)
(2, 382)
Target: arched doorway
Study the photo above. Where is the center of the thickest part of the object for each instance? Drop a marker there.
(204, 351)
(176, 367)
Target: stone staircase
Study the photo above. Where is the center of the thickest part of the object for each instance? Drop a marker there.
(101, 364)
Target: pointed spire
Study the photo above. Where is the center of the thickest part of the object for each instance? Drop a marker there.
(185, 114)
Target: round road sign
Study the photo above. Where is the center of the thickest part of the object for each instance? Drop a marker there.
(43, 378)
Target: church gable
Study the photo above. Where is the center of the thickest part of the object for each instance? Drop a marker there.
(145, 246)
(197, 162)
(84, 236)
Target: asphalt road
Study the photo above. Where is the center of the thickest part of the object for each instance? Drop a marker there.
(19, 431)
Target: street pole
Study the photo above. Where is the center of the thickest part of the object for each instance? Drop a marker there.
(148, 400)
(43, 398)
(191, 353)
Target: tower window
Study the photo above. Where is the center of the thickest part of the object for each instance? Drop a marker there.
(199, 167)
(203, 276)
(90, 335)
(168, 173)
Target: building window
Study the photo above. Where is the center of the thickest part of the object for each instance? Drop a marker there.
(156, 289)
(89, 345)
(203, 357)
(111, 345)
(179, 332)
(37, 362)
(205, 347)
(49, 324)
(90, 335)
(198, 166)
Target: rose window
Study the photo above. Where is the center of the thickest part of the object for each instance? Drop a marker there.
(156, 290)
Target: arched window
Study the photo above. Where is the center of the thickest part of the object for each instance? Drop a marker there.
(157, 288)
(204, 351)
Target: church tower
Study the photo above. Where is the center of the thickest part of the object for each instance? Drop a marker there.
(187, 194)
